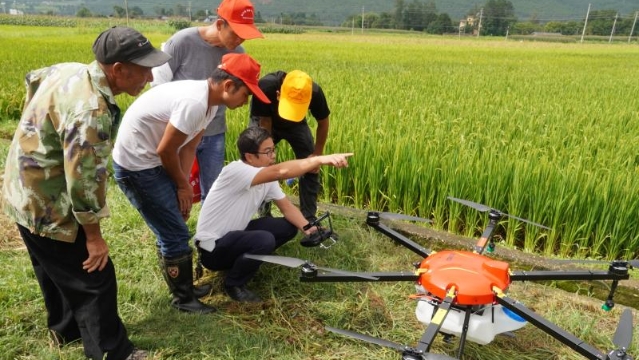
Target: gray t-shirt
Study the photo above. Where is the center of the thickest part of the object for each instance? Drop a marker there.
(192, 58)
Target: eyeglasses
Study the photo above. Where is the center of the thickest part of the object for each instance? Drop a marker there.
(269, 152)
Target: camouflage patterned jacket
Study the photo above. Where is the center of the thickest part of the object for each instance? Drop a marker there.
(56, 170)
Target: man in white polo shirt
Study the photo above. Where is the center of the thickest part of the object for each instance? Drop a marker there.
(154, 152)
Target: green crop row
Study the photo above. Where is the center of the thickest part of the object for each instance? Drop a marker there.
(543, 131)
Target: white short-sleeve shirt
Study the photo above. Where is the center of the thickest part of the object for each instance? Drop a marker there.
(232, 202)
(184, 104)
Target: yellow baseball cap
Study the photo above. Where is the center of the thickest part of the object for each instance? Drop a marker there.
(295, 96)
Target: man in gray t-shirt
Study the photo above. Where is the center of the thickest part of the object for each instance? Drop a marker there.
(195, 53)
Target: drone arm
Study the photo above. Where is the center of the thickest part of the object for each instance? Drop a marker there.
(487, 235)
(553, 330)
(436, 322)
(568, 275)
(397, 237)
(339, 277)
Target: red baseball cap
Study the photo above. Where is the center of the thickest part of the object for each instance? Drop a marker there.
(240, 15)
(246, 69)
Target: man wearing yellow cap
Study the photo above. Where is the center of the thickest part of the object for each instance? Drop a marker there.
(292, 95)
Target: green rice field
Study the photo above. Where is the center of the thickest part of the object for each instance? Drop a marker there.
(544, 131)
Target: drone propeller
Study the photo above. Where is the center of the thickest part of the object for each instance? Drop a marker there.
(354, 212)
(633, 263)
(294, 262)
(395, 216)
(407, 352)
(623, 335)
(484, 208)
(369, 339)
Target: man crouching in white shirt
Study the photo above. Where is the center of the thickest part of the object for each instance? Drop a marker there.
(225, 228)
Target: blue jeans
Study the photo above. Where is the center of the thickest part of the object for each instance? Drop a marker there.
(210, 158)
(154, 195)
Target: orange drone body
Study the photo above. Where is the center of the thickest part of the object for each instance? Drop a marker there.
(473, 276)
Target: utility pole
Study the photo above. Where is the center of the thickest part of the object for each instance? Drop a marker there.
(362, 19)
(481, 14)
(613, 28)
(126, 11)
(633, 27)
(585, 24)
(190, 12)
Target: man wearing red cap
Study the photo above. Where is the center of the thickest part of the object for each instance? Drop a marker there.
(153, 155)
(195, 53)
(292, 95)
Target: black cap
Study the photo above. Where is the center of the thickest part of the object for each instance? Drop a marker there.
(124, 44)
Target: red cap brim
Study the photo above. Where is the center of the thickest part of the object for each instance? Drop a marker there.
(256, 91)
(246, 31)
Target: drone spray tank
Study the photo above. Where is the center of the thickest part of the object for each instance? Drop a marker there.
(473, 276)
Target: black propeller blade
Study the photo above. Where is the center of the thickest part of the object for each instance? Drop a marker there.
(484, 208)
(623, 334)
(395, 216)
(369, 339)
(407, 351)
(382, 215)
(633, 263)
(294, 262)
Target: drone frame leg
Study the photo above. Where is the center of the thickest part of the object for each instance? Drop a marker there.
(462, 338)
(438, 319)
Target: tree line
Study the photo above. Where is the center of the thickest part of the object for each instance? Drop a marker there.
(494, 18)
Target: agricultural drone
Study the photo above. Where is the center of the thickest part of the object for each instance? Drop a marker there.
(463, 293)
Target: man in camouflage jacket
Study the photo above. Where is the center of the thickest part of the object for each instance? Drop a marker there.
(55, 186)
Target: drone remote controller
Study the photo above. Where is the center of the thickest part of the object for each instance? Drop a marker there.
(322, 234)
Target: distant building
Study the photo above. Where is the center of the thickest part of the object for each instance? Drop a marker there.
(468, 21)
(16, 12)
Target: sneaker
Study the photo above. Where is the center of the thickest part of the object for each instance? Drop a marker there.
(137, 354)
(241, 294)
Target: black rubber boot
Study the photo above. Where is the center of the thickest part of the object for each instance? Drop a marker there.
(199, 291)
(179, 275)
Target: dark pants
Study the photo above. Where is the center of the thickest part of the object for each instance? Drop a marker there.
(80, 305)
(301, 140)
(261, 237)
